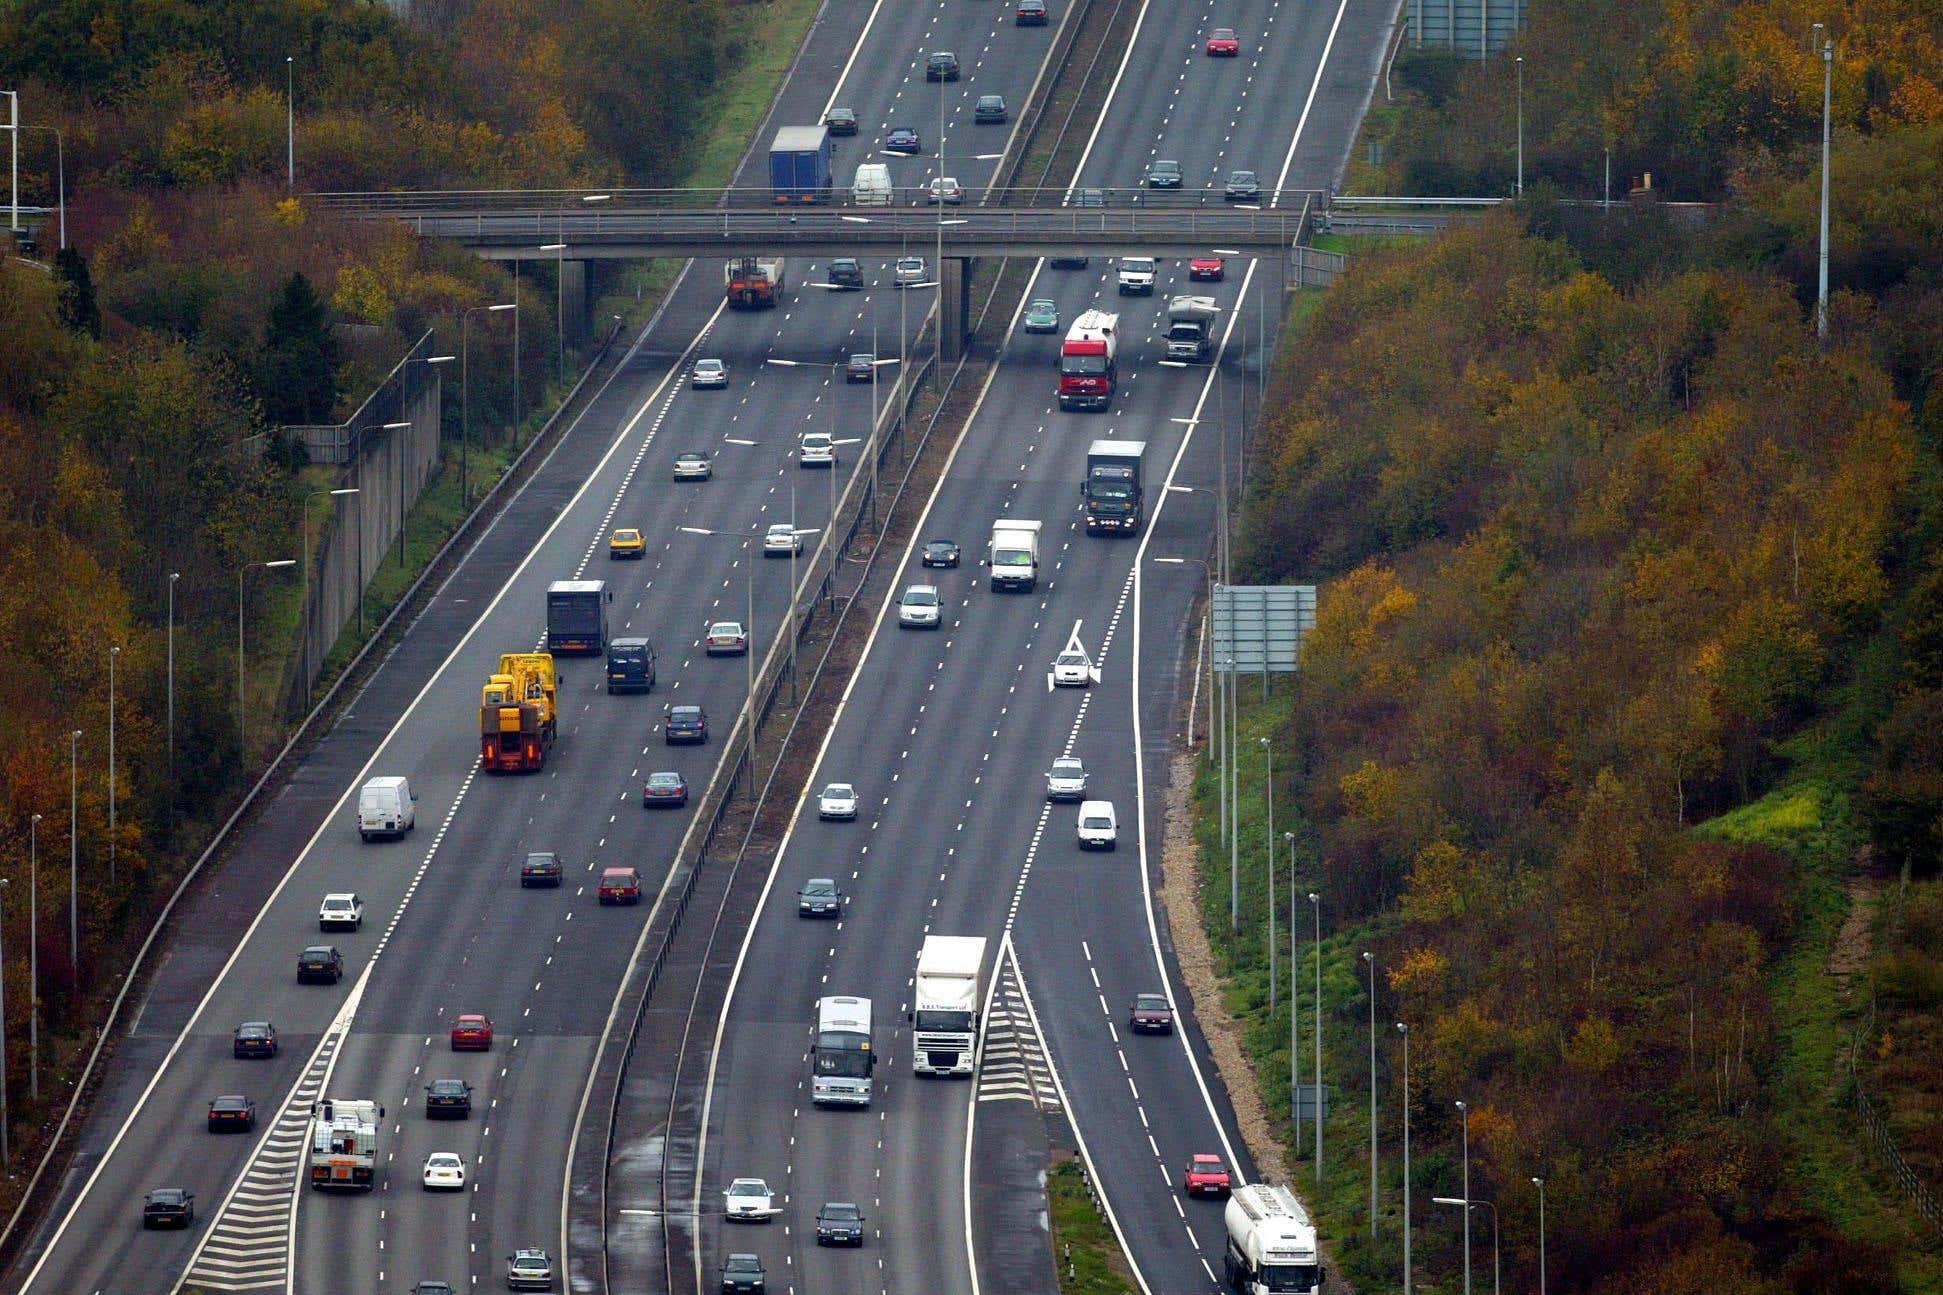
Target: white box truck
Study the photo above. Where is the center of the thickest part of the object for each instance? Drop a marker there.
(1013, 555)
(949, 993)
(386, 807)
(1271, 1243)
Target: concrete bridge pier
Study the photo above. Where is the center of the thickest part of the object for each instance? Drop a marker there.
(954, 306)
(576, 302)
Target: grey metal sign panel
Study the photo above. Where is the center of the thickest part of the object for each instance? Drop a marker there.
(1259, 629)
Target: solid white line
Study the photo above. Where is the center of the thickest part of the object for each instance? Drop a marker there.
(1322, 63)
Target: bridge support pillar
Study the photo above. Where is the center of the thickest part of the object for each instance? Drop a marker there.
(954, 306)
(575, 304)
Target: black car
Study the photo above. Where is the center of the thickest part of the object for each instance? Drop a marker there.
(941, 66)
(254, 1039)
(1031, 13)
(840, 121)
(231, 1114)
(819, 897)
(990, 110)
(448, 1099)
(1163, 175)
(1150, 1013)
(860, 368)
(541, 868)
(741, 1274)
(685, 724)
(320, 962)
(941, 553)
(1242, 187)
(630, 665)
(168, 1207)
(839, 1223)
(846, 275)
(903, 139)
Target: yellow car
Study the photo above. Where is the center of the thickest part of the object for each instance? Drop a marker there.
(627, 543)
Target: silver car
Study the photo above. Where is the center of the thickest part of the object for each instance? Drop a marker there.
(909, 271)
(781, 541)
(1066, 780)
(693, 467)
(918, 608)
(709, 373)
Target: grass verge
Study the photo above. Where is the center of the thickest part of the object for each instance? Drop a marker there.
(1083, 1245)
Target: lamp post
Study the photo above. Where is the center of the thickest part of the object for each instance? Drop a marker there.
(1470, 1205)
(465, 391)
(559, 248)
(1539, 1183)
(6, 1155)
(60, 163)
(114, 657)
(1268, 794)
(1295, 1038)
(174, 576)
(289, 124)
(242, 730)
(1521, 125)
(1403, 1030)
(13, 135)
(1821, 270)
(1369, 960)
(74, 855)
(33, 958)
(404, 451)
(748, 640)
(1464, 1109)
(307, 664)
(1315, 903)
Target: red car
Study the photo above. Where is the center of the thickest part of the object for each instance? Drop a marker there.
(1209, 269)
(1206, 1176)
(1222, 43)
(472, 1033)
(620, 886)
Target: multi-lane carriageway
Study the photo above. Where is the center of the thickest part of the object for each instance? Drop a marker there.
(447, 928)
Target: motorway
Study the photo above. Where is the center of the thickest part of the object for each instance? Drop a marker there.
(955, 729)
(447, 928)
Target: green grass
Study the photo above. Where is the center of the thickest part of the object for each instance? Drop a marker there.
(771, 33)
(1084, 1248)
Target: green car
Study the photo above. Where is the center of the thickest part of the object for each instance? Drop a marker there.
(1041, 316)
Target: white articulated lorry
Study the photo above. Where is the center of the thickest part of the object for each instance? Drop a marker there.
(945, 1002)
(1271, 1243)
(1014, 554)
(344, 1142)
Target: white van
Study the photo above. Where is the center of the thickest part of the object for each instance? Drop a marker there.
(1098, 828)
(872, 187)
(386, 807)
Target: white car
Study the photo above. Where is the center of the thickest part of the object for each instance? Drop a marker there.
(343, 911)
(709, 373)
(818, 451)
(1099, 829)
(908, 272)
(1071, 669)
(748, 1201)
(1066, 780)
(782, 540)
(918, 608)
(444, 1172)
(839, 800)
(945, 189)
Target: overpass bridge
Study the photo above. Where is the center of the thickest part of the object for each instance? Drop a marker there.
(575, 227)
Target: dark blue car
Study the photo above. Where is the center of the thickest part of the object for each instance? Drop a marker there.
(685, 724)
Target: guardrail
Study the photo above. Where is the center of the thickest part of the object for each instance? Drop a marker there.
(552, 211)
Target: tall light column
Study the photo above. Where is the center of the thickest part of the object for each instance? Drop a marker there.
(13, 134)
(1465, 1109)
(1821, 270)
(74, 855)
(1295, 1036)
(1315, 902)
(242, 718)
(1268, 790)
(289, 124)
(748, 639)
(6, 1152)
(114, 657)
(1521, 125)
(33, 958)
(307, 665)
(465, 392)
(1540, 1184)
(1403, 1030)
(173, 577)
(1369, 960)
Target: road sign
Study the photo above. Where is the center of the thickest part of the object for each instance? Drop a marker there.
(1258, 629)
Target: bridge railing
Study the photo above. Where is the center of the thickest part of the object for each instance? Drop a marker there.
(562, 209)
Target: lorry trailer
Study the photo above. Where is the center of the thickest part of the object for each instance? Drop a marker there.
(946, 999)
(799, 164)
(1271, 1243)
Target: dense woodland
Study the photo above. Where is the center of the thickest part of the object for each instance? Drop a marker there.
(145, 372)
(1630, 652)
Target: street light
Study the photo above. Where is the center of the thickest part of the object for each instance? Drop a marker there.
(33, 959)
(1369, 960)
(1540, 1184)
(1404, 1031)
(559, 248)
(114, 656)
(74, 855)
(1295, 1037)
(289, 124)
(1821, 272)
(1268, 794)
(174, 576)
(1521, 125)
(1476, 1205)
(1465, 1109)
(13, 135)
(465, 390)
(404, 454)
(6, 1156)
(748, 641)
(1315, 902)
(309, 672)
(242, 731)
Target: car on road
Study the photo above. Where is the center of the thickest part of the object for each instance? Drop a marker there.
(1031, 13)
(840, 121)
(815, 450)
(1099, 829)
(839, 1223)
(1150, 1014)
(743, 1274)
(340, 909)
(444, 1171)
(432, 1288)
(909, 271)
(684, 724)
(693, 467)
(726, 638)
(254, 1039)
(782, 541)
(919, 608)
(941, 66)
(903, 139)
(626, 542)
(1163, 174)
(709, 372)
(666, 790)
(944, 189)
(1089, 197)
(1072, 669)
(1243, 186)
(990, 110)
(1206, 1175)
(320, 963)
(1066, 780)
(839, 800)
(940, 553)
(620, 886)
(846, 275)
(749, 1200)
(448, 1099)
(1207, 269)
(819, 897)
(541, 868)
(472, 1032)
(861, 367)
(168, 1207)
(233, 1113)
(1223, 43)
(1042, 316)
(529, 1269)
